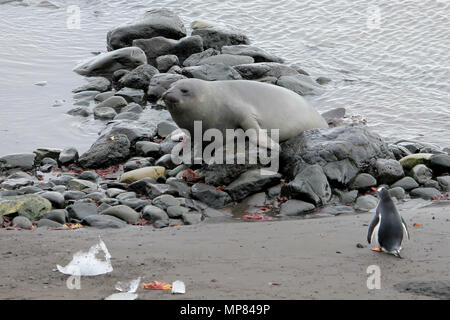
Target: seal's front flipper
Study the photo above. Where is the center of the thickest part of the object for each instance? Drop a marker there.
(259, 136)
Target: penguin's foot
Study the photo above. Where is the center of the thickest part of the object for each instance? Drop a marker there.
(377, 249)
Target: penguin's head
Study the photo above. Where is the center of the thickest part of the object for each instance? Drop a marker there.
(383, 193)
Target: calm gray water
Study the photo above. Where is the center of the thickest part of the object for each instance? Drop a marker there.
(393, 69)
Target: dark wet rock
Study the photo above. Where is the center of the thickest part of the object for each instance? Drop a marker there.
(274, 191)
(178, 169)
(153, 213)
(164, 63)
(195, 58)
(58, 215)
(115, 102)
(42, 153)
(165, 201)
(167, 145)
(348, 197)
(153, 23)
(440, 163)
(134, 133)
(44, 185)
(106, 151)
(79, 184)
(260, 70)
(138, 78)
(95, 196)
(12, 184)
(109, 202)
(122, 212)
(251, 182)
(101, 221)
(22, 222)
(165, 128)
(161, 46)
(80, 111)
(217, 37)
(22, 161)
(210, 195)
(137, 163)
(78, 211)
(180, 186)
(310, 185)
(114, 192)
(399, 151)
(432, 184)
(226, 59)
(141, 186)
(88, 175)
(421, 173)
(132, 116)
(57, 199)
(105, 64)
(366, 203)
(192, 218)
(406, 183)
(73, 195)
(132, 95)
(47, 223)
(296, 208)
(68, 156)
(126, 195)
(434, 289)
(133, 107)
(343, 152)
(160, 83)
(223, 174)
(84, 98)
(444, 183)
(259, 55)
(212, 72)
(62, 180)
(300, 84)
(175, 70)
(104, 96)
(177, 212)
(48, 164)
(397, 192)
(158, 189)
(104, 113)
(29, 190)
(99, 84)
(136, 204)
(148, 149)
(30, 206)
(424, 193)
(166, 162)
(363, 181)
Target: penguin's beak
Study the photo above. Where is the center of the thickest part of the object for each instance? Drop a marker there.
(373, 189)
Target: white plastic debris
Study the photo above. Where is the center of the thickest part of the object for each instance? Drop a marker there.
(178, 287)
(127, 290)
(122, 296)
(87, 264)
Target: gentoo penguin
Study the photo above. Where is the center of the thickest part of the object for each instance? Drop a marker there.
(387, 225)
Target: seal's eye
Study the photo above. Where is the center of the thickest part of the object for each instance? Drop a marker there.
(184, 90)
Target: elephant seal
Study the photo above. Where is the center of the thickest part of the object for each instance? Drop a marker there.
(241, 104)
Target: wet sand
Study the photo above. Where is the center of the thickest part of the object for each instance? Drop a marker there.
(307, 259)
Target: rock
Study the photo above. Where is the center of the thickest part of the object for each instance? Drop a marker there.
(296, 208)
(154, 23)
(73, 195)
(78, 184)
(147, 172)
(114, 192)
(80, 111)
(421, 173)
(104, 113)
(399, 152)
(300, 84)
(142, 186)
(138, 78)
(226, 59)
(192, 218)
(99, 84)
(22, 222)
(137, 163)
(310, 185)
(210, 195)
(68, 156)
(126, 195)
(88, 175)
(11, 184)
(29, 190)
(133, 107)
(115, 102)
(133, 132)
(165, 128)
(57, 199)
(135, 203)
(366, 203)
(259, 55)
(79, 210)
(251, 182)
(406, 183)
(336, 210)
(388, 171)
(132, 95)
(106, 64)
(58, 215)
(177, 212)
(166, 162)
(347, 197)
(30, 206)
(194, 59)
(440, 163)
(160, 83)
(363, 181)
(127, 116)
(122, 212)
(212, 72)
(22, 161)
(180, 186)
(218, 36)
(444, 183)
(260, 70)
(158, 189)
(424, 193)
(161, 46)
(42, 153)
(397, 192)
(49, 224)
(165, 201)
(432, 184)
(153, 213)
(164, 63)
(103, 221)
(412, 160)
(108, 150)
(104, 96)
(148, 149)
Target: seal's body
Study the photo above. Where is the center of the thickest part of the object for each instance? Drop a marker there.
(387, 225)
(240, 104)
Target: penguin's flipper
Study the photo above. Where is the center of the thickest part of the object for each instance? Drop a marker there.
(405, 227)
(372, 227)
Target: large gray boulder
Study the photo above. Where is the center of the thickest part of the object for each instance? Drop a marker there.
(212, 72)
(153, 23)
(23, 161)
(218, 36)
(251, 182)
(108, 150)
(138, 78)
(342, 152)
(260, 70)
(256, 53)
(194, 59)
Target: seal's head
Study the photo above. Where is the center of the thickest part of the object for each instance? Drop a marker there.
(180, 93)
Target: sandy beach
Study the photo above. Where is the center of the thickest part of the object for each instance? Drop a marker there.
(293, 259)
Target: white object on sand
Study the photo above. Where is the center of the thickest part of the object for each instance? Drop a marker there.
(178, 287)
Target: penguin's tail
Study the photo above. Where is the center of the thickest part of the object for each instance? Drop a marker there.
(397, 254)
